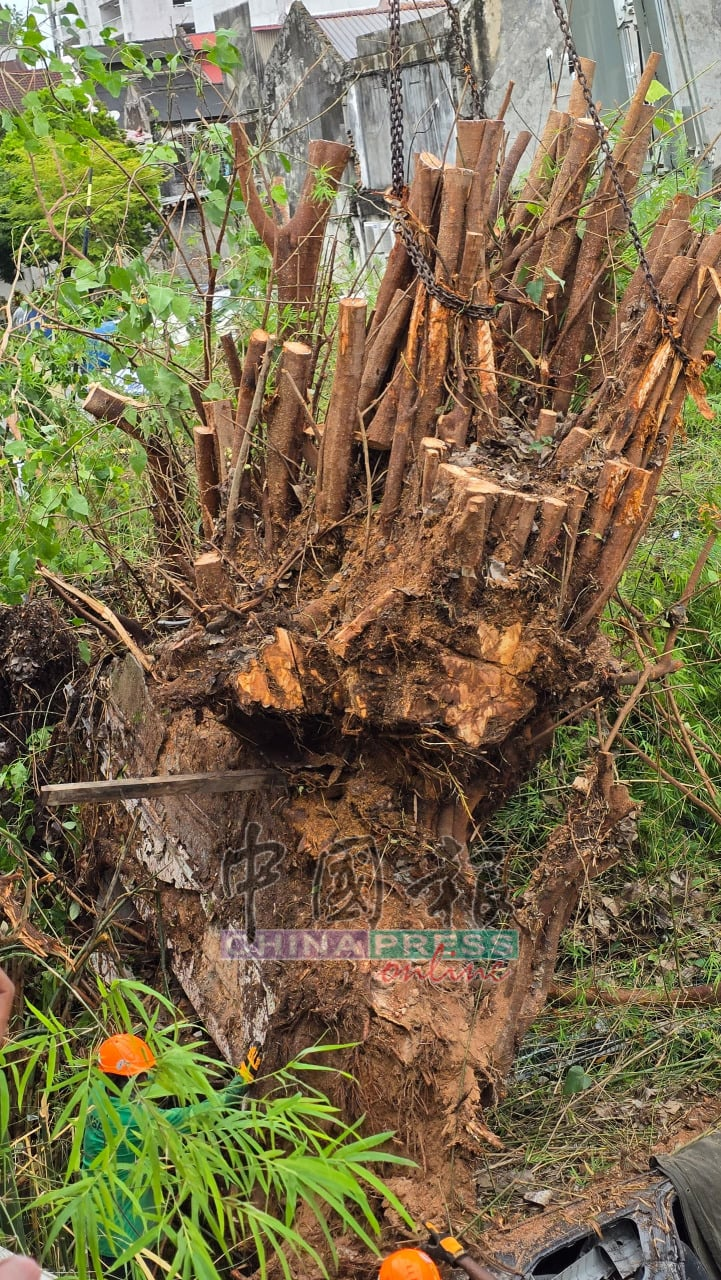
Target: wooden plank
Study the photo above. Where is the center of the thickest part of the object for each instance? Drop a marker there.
(164, 785)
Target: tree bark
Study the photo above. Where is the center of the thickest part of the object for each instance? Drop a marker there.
(403, 660)
(165, 476)
(342, 420)
(297, 244)
(206, 464)
(286, 421)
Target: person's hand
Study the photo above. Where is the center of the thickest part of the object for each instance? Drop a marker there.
(7, 993)
(19, 1268)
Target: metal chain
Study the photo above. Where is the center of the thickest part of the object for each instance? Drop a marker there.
(452, 301)
(465, 61)
(395, 98)
(397, 207)
(605, 146)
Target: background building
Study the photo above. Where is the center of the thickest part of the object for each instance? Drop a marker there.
(159, 19)
(515, 37)
(148, 19)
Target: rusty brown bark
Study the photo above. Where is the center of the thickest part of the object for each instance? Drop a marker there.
(540, 178)
(405, 420)
(382, 424)
(219, 416)
(286, 421)
(507, 174)
(206, 465)
(232, 359)
(167, 482)
(456, 189)
(297, 244)
(577, 105)
(421, 203)
(383, 343)
(211, 578)
(246, 390)
(560, 243)
(604, 222)
(342, 421)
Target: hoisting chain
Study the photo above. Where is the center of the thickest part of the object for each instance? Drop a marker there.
(450, 300)
(396, 202)
(605, 146)
(465, 61)
(395, 99)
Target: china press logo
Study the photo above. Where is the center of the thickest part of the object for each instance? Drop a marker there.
(347, 898)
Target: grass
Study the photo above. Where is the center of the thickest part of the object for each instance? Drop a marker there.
(657, 1064)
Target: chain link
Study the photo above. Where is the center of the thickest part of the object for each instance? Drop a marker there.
(465, 61)
(396, 203)
(449, 299)
(395, 98)
(605, 146)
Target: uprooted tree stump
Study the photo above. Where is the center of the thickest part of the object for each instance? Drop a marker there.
(409, 595)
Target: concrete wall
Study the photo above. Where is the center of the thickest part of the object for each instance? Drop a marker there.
(242, 92)
(146, 21)
(304, 88)
(509, 40)
(695, 38)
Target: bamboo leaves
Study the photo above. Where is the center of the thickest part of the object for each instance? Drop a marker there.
(189, 1187)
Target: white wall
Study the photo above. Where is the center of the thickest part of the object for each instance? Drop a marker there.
(319, 7)
(204, 14)
(152, 19)
(148, 21)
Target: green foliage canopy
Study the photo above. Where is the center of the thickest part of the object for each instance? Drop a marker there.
(45, 158)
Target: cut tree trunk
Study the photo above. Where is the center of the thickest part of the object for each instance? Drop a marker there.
(296, 245)
(167, 482)
(422, 612)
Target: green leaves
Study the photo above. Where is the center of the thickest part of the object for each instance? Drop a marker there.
(44, 160)
(656, 91)
(577, 1081)
(534, 289)
(76, 503)
(552, 275)
(224, 53)
(199, 1182)
(161, 299)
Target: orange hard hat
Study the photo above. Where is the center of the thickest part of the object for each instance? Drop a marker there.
(409, 1264)
(125, 1055)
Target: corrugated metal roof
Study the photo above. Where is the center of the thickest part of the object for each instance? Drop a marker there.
(264, 39)
(343, 29)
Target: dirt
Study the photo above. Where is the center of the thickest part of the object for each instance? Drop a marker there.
(523, 1227)
(38, 660)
